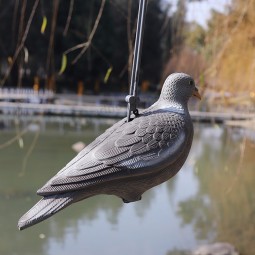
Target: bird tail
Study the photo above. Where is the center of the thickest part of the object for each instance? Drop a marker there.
(45, 208)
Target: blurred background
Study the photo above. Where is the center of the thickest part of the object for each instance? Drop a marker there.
(65, 68)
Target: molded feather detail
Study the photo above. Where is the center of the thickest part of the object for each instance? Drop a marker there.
(107, 152)
(138, 148)
(127, 141)
(130, 129)
(129, 147)
(141, 132)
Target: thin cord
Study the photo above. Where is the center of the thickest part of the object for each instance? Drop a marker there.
(131, 99)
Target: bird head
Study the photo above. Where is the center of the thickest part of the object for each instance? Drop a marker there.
(178, 88)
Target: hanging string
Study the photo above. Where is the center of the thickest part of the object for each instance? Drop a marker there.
(132, 98)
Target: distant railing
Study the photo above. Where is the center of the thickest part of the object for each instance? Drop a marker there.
(26, 95)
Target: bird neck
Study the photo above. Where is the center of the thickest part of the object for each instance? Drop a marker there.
(173, 106)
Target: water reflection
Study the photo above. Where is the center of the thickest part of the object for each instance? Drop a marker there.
(223, 207)
(211, 199)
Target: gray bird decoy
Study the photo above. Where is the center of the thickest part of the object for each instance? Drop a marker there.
(128, 158)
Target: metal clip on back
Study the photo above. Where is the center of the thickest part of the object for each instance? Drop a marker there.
(132, 103)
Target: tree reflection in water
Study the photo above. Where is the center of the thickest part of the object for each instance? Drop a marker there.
(224, 205)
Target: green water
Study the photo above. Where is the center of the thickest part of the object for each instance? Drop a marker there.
(211, 199)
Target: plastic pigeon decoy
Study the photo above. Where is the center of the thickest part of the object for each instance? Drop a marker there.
(128, 158)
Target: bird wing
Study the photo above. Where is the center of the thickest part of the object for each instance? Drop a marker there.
(100, 139)
(146, 144)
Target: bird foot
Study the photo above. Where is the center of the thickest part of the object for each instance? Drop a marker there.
(133, 200)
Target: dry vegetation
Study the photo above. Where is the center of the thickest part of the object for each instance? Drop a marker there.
(233, 61)
(224, 53)
(187, 61)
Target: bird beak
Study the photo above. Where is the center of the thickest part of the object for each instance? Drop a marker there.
(196, 93)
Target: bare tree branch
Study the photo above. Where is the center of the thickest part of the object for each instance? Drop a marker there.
(118, 8)
(101, 55)
(50, 59)
(14, 20)
(20, 35)
(18, 50)
(130, 39)
(69, 17)
(86, 44)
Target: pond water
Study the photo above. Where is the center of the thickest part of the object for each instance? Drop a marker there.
(211, 199)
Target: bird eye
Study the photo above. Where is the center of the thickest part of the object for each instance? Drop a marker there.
(191, 83)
